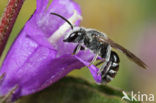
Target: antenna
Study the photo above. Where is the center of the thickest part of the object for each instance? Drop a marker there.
(63, 19)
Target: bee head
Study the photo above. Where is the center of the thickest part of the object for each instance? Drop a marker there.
(76, 35)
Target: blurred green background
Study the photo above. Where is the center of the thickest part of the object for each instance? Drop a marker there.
(131, 23)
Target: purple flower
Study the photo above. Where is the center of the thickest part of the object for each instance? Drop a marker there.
(39, 57)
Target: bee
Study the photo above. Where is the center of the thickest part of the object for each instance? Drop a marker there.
(101, 46)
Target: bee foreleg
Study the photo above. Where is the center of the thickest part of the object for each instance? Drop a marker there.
(77, 49)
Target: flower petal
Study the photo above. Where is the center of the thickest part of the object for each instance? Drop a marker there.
(48, 23)
(33, 77)
(31, 62)
(41, 5)
(93, 69)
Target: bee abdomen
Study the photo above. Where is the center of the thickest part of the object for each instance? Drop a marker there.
(114, 67)
(110, 75)
(113, 71)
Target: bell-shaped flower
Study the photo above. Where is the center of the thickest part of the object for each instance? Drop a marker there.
(39, 57)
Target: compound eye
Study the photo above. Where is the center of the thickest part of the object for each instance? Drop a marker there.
(76, 34)
(72, 37)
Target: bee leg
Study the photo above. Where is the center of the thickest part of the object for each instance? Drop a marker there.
(106, 69)
(77, 49)
(102, 67)
(106, 59)
(106, 77)
(94, 59)
(100, 62)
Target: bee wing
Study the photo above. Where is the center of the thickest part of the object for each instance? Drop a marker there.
(129, 54)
